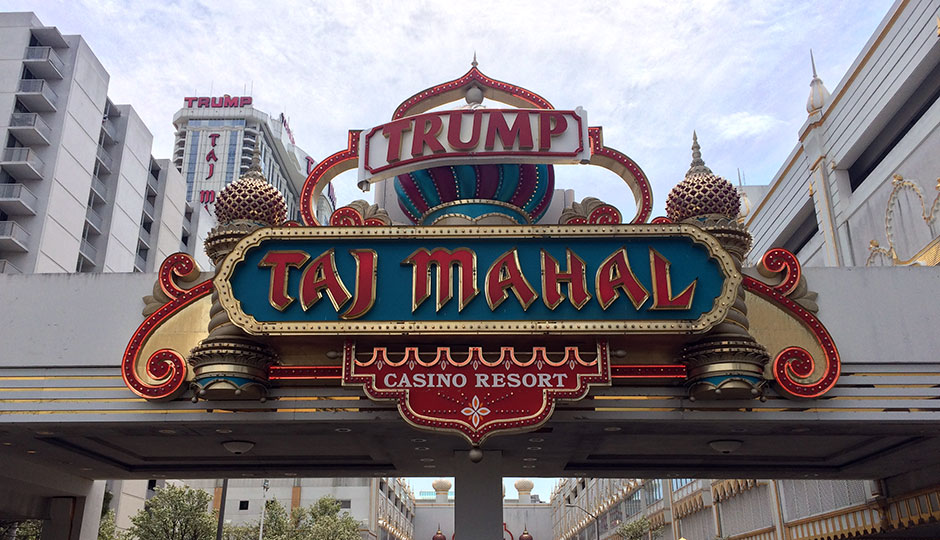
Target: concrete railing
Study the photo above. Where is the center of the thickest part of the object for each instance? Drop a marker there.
(32, 120)
(38, 86)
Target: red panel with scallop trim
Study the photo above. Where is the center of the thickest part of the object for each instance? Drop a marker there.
(474, 393)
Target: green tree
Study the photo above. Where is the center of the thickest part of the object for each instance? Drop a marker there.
(240, 532)
(20, 530)
(106, 530)
(175, 513)
(638, 529)
(322, 521)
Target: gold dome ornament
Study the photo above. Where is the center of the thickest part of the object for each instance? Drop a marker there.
(251, 198)
(702, 192)
(726, 362)
(229, 363)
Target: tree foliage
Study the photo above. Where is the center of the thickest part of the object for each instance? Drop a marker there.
(106, 530)
(638, 529)
(175, 513)
(320, 521)
(30, 529)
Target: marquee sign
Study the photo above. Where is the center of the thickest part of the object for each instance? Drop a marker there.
(474, 136)
(485, 280)
(481, 328)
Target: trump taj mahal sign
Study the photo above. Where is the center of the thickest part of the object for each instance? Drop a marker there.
(482, 313)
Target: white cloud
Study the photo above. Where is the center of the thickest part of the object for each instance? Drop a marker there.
(745, 124)
(646, 70)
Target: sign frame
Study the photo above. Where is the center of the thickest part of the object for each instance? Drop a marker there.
(703, 323)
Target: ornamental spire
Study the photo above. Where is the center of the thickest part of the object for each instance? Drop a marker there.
(474, 62)
(698, 164)
(818, 94)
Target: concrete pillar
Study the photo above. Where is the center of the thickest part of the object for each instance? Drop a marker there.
(478, 501)
(75, 518)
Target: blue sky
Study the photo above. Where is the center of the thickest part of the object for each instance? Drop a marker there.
(648, 71)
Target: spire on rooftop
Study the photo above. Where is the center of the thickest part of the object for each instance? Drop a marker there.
(698, 164)
(818, 94)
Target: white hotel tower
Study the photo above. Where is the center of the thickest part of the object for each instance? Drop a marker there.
(216, 140)
(79, 189)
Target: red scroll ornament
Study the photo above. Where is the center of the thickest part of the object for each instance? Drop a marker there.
(167, 367)
(795, 363)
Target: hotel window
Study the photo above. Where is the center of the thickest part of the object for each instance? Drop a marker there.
(243, 505)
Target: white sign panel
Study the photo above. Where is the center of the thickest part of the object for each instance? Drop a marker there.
(470, 136)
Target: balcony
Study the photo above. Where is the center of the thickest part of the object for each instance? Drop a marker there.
(13, 237)
(37, 95)
(90, 252)
(105, 159)
(22, 163)
(110, 134)
(43, 62)
(16, 200)
(94, 219)
(6, 267)
(148, 208)
(140, 262)
(99, 189)
(143, 237)
(30, 129)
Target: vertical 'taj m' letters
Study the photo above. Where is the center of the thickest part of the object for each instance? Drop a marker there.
(421, 261)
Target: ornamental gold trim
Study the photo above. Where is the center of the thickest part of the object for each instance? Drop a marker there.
(703, 323)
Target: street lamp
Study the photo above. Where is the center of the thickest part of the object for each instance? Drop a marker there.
(264, 506)
(597, 525)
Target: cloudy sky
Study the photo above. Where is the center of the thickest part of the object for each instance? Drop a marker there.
(648, 71)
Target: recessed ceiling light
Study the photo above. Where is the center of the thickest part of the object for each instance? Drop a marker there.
(223, 431)
(528, 466)
(430, 466)
(7, 444)
(421, 448)
(342, 430)
(536, 439)
(534, 448)
(290, 474)
(167, 431)
(32, 451)
(530, 459)
(86, 468)
(612, 428)
(45, 433)
(419, 440)
(427, 459)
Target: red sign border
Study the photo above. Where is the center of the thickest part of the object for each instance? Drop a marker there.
(476, 437)
(404, 163)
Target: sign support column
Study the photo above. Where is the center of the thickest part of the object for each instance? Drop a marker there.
(478, 499)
